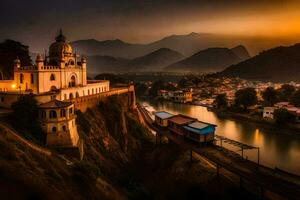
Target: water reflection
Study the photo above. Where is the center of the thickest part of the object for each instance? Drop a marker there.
(276, 150)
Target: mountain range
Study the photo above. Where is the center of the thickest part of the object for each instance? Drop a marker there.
(185, 44)
(277, 64)
(210, 60)
(154, 61)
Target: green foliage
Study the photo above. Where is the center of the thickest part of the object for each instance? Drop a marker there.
(270, 96)
(295, 98)
(25, 117)
(245, 98)
(221, 101)
(283, 116)
(285, 92)
(9, 51)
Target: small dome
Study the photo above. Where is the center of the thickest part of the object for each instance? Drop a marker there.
(39, 58)
(83, 60)
(60, 47)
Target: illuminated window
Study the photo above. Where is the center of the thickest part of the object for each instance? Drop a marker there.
(53, 129)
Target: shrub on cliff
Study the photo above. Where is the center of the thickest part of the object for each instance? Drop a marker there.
(25, 117)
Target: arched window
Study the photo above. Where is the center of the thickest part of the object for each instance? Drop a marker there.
(71, 110)
(52, 77)
(63, 113)
(92, 90)
(72, 82)
(71, 96)
(88, 92)
(54, 129)
(64, 128)
(31, 79)
(77, 95)
(52, 114)
(43, 114)
(21, 78)
(65, 97)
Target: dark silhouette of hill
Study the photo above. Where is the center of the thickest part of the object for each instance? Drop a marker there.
(185, 44)
(114, 48)
(156, 60)
(210, 60)
(241, 52)
(277, 64)
(153, 61)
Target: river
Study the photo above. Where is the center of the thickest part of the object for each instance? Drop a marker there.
(276, 150)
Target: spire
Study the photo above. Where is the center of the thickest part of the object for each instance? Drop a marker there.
(60, 37)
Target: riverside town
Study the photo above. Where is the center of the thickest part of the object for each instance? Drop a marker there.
(150, 100)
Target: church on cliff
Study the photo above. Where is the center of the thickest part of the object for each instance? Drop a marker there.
(56, 81)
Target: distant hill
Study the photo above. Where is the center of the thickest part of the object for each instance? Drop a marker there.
(241, 52)
(154, 61)
(115, 48)
(185, 44)
(277, 64)
(99, 64)
(210, 60)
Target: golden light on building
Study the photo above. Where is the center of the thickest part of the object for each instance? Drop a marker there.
(13, 86)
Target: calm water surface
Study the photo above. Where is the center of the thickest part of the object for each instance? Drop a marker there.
(276, 150)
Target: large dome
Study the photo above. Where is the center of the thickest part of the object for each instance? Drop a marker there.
(60, 47)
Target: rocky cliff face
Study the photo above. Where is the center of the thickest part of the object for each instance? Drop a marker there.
(112, 139)
(120, 162)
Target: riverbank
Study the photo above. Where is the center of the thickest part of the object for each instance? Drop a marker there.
(287, 129)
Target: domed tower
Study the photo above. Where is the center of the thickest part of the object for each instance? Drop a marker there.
(60, 52)
(39, 61)
(17, 64)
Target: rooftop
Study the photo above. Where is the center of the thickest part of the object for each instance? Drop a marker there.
(182, 119)
(163, 115)
(200, 127)
(56, 104)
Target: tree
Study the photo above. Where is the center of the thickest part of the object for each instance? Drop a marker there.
(156, 86)
(283, 116)
(295, 99)
(245, 97)
(270, 96)
(9, 51)
(140, 89)
(285, 92)
(221, 101)
(25, 116)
